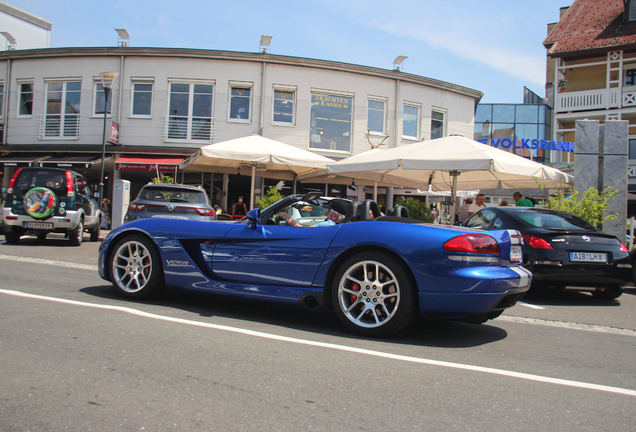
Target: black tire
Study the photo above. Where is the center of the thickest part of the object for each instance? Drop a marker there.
(12, 237)
(373, 309)
(76, 236)
(96, 231)
(608, 293)
(42, 236)
(135, 268)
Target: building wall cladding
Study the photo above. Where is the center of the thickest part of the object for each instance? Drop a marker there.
(161, 66)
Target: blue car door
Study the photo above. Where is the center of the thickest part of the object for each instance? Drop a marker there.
(272, 254)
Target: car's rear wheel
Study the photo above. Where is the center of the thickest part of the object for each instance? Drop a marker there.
(12, 237)
(608, 293)
(76, 236)
(135, 268)
(96, 231)
(373, 296)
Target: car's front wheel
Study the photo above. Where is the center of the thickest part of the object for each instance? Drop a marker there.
(135, 268)
(76, 236)
(608, 293)
(96, 231)
(373, 295)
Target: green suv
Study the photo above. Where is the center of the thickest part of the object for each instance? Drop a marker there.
(46, 200)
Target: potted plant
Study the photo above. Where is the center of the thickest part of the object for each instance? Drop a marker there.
(561, 85)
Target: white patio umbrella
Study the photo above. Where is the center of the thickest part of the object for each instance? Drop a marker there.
(452, 163)
(267, 157)
(360, 178)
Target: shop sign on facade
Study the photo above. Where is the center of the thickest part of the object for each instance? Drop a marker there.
(530, 144)
(114, 133)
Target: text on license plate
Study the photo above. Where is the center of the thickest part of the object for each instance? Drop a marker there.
(39, 225)
(515, 253)
(588, 256)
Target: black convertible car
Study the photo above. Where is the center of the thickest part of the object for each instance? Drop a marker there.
(563, 250)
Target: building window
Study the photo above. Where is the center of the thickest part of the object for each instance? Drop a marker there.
(437, 124)
(190, 111)
(411, 122)
(62, 109)
(142, 99)
(630, 77)
(240, 97)
(331, 122)
(1, 99)
(632, 149)
(98, 97)
(26, 100)
(376, 116)
(632, 10)
(284, 106)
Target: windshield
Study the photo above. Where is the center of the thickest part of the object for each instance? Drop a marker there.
(172, 195)
(555, 221)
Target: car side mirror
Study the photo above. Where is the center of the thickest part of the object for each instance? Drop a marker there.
(253, 216)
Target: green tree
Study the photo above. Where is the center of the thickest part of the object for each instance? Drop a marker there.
(272, 196)
(417, 209)
(164, 179)
(590, 206)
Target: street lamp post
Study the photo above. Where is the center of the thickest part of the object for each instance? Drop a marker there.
(108, 79)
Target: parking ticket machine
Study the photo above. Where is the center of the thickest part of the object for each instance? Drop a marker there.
(121, 199)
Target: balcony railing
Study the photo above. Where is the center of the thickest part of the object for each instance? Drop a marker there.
(594, 100)
(188, 128)
(58, 126)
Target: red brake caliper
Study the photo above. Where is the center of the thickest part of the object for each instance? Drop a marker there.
(356, 287)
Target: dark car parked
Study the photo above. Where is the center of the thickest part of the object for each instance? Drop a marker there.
(171, 201)
(563, 250)
(46, 200)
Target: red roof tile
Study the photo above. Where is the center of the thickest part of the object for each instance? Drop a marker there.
(591, 25)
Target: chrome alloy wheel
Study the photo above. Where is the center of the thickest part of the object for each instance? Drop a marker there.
(369, 294)
(132, 266)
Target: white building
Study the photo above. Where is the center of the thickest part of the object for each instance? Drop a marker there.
(22, 30)
(169, 102)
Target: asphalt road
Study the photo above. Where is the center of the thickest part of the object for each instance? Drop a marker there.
(75, 356)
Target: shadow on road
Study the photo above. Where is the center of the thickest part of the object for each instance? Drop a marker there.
(447, 334)
(568, 297)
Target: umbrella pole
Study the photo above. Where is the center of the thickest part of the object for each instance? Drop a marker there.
(375, 191)
(252, 188)
(454, 174)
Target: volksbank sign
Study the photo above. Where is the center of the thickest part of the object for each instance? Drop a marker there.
(530, 144)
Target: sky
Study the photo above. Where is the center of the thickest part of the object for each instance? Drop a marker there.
(493, 46)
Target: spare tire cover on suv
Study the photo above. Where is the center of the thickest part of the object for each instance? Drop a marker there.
(40, 203)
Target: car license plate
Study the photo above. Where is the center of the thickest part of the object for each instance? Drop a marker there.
(169, 217)
(588, 256)
(515, 253)
(39, 225)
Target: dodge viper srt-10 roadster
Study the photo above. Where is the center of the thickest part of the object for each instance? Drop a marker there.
(376, 272)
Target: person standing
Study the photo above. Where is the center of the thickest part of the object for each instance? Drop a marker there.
(239, 209)
(521, 201)
(105, 214)
(462, 214)
(477, 205)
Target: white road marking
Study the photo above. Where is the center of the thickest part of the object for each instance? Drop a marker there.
(500, 372)
(569, 325)
(531, 306)
(50, 262)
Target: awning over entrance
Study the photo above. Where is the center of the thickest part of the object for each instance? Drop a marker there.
(151, 163)
(73, 161)
(20, 159)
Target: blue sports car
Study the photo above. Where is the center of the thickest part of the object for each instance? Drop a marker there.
(376, 272)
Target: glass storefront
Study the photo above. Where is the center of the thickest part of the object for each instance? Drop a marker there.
(515, 122)
(331, 122)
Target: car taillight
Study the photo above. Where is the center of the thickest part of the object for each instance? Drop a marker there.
(472, 243)
(136, 207)
(12, 182)
(624, 248)
(536, 242)
(205, 211)
(70, 187)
